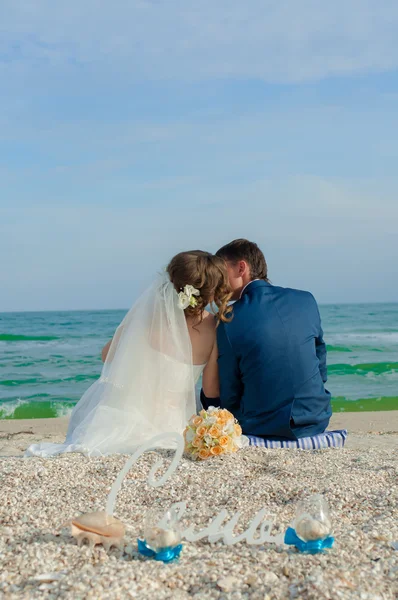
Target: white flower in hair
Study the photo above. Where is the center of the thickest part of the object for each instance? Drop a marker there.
(187, 297)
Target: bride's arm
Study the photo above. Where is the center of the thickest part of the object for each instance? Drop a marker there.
(105, 350)
(210, 381)
(113, 343)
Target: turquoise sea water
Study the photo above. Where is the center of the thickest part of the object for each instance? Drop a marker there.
(48, 359)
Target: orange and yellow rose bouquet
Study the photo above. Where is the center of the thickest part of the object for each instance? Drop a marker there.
(213, 432)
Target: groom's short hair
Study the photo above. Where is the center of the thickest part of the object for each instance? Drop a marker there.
(249, 252)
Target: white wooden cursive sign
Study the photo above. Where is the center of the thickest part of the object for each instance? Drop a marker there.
(258, 532)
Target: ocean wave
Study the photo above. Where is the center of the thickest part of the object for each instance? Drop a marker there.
(347, 339)
(342, 404)
(7, 409)
(338, 349)
(32, 409)
(379, 368)
(64, 410)
(9, 337)
(357, 348)
(28, 409)
(42, 381)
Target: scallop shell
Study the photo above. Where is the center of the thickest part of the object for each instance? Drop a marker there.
(98, 528)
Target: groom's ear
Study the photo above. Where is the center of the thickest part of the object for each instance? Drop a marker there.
(243, 268)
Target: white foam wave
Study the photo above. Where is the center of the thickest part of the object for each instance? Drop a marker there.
(342, 338)
(7, 409)
(63, 410)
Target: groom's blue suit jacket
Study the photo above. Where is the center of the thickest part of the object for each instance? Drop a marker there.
(272, 363)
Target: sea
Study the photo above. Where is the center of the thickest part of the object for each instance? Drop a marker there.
(48, 359)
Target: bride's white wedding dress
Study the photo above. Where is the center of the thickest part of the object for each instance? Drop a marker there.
(147, 384)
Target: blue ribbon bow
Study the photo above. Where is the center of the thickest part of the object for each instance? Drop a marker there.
(165, 555)
(313, 547)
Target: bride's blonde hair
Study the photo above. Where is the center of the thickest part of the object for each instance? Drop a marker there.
(208, 274)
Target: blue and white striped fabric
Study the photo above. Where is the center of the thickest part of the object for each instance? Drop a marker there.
(329, 439)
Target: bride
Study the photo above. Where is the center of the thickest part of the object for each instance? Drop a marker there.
(158, 353)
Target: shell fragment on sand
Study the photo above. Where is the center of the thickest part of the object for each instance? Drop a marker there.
(49, 577)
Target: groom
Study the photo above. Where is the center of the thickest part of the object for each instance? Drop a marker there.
(272, 357)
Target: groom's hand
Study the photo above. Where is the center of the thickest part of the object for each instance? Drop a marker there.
(206, 402)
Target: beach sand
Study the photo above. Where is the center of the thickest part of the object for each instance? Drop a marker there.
(39, 558)
(366, 430)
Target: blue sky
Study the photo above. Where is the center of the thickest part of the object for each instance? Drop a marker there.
(132, 130)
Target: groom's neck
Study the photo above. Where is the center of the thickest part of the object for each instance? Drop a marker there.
(245, 282)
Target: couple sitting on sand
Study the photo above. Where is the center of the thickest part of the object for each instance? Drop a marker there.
(263, 358)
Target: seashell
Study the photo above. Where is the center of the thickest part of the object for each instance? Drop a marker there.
(161, 530)
(309, 529)
(49, 577)
(157, 538)
(313, 518)
(98, 528)
(228, 584)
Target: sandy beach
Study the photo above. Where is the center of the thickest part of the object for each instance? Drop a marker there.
(40, 559)
(366, 430)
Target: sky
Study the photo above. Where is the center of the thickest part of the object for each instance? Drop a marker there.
(131, 130)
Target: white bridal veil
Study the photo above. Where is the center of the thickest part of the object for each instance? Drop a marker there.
(147, 384)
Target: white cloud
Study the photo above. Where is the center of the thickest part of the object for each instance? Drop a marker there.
(273, 40)
(102, 198)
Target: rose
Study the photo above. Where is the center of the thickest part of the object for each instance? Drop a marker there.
(224, 417)
(227, 414)
(215, 431)
(197, 442)
(237, 429)
(224, 440)
(216, 450)
(196, 421)
(231, 445)
(203, 454)
(200, 432)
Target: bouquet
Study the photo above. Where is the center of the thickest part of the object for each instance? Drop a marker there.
(213, 432)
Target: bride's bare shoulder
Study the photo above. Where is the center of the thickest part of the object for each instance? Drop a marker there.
(207, 324)
(209, 320)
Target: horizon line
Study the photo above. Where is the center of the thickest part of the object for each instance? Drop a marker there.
(69, 310)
